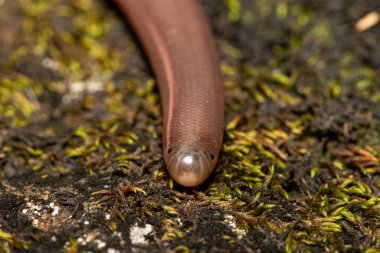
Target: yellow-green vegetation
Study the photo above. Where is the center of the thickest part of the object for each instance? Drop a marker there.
(9, 242)
(81, 124)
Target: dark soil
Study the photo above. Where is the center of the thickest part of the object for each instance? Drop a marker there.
(80, 133)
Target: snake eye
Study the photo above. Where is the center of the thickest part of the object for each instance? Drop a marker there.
(170, 150)
(212, 156)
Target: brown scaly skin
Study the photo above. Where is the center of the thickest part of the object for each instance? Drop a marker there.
(178, 41)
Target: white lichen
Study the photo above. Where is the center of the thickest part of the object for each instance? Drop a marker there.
(137, 234)
(231, 222)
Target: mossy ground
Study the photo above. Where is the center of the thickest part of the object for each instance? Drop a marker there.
(80, 133)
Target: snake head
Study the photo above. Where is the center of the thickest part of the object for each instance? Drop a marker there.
(189, 164)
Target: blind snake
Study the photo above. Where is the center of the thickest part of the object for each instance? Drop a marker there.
(177, 39)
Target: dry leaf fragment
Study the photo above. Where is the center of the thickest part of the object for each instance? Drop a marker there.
(368, 21)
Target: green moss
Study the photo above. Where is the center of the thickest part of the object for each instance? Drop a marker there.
(300, 156)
